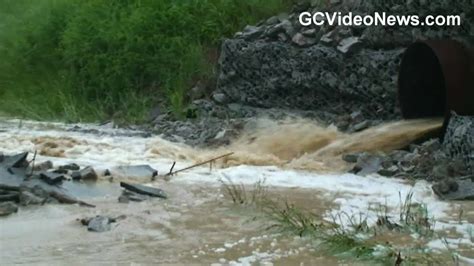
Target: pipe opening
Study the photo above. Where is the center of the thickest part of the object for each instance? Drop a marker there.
(422, 89)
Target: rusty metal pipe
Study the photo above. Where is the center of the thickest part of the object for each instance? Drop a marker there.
(435, 78)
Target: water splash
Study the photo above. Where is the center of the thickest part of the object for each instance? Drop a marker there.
(292, 144)
(302, 144)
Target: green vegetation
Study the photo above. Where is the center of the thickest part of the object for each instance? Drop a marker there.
(240, 195)
(98, 59)
(355, 240)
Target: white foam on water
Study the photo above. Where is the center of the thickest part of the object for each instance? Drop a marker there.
(353, 194)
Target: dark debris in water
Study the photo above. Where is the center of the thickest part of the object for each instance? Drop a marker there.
(144, 190)
(100, 223)
(24, 184)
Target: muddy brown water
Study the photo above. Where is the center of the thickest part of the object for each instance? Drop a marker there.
(197, 224)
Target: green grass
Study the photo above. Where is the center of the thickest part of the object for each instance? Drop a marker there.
(240, 195)
(92, 60)
(357, 241)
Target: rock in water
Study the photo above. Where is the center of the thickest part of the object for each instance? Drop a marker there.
(52, 178)
(145, 190)
(7, 208)
(460, 189)
(87, 174)
(134, 171)
(28, 198)
(17, 161)
(361, 126)
(66, 199)
(367, 164)
(71, 167)
(350, 158)
(7, 195)
(99, 224)
(390, 171)
(128, 196)
(123, 199)
(44, 166)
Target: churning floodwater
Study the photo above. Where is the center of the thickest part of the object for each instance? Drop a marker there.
(297, 160)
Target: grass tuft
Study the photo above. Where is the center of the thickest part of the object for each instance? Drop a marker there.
(414, 216)
(239, 195)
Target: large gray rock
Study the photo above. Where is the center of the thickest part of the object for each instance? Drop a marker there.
(7, 208)
(351, 158)
(144, 190)
(144, 172)
(128, 196)
(8, 195)
(367, 164)
(460, 189)
(16, 161)
(86, 174)
(69, 167)
(52, 178)
(99, 224)
(389, 171)
(13, 171)
(29, 198)
(16, 184)
(37, 188)
(51, 193)
(43, 166)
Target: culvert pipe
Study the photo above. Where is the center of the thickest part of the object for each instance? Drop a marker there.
(435, 78)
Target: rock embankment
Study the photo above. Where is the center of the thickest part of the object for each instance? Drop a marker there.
(450, 164)
(342, 75)
(335, 69)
